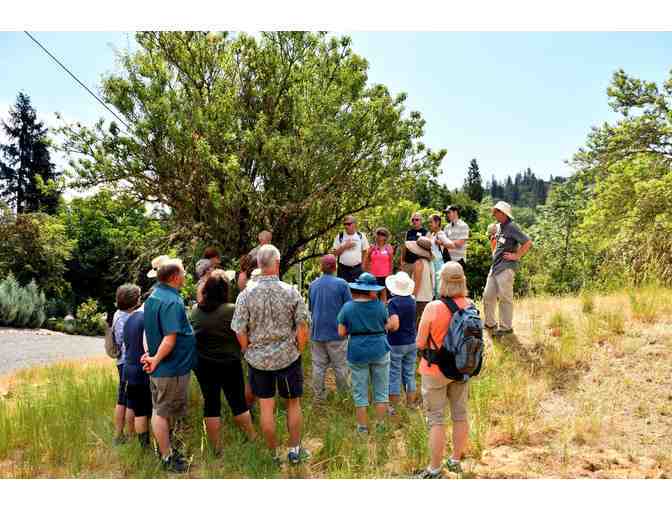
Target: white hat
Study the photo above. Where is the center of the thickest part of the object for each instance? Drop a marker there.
(504, 207)
(230, 274)
(400, 284)
(251, 282)
(157, 262)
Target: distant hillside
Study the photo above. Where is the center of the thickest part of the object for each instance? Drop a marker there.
(524, 190)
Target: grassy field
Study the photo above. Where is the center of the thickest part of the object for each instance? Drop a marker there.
(583, 389)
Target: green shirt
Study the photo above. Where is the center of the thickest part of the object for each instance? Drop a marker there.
(215, 340)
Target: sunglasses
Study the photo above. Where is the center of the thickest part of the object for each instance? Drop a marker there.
(347, 224)
(415, 219)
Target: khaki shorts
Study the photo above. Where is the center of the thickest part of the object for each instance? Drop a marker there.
(436, 393)
(170, 395)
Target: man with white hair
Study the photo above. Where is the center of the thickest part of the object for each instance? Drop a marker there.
(511, 245)
(271, 322)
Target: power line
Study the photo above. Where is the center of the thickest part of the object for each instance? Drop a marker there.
(77, 80)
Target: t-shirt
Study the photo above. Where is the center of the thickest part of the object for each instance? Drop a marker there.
(326, 297)
(435, 320)
(381, 260)
(455, 232)
(215, 340)
(413, 235)
(133, 332)
(509, 237)
(352, 256)
(165, 314)
(118, 321)
(365, 322)
(404, 308)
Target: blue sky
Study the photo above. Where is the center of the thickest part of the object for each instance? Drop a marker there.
(511, 100)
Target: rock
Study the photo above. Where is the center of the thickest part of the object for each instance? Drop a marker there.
(647, 463)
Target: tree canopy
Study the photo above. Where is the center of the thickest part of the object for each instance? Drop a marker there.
(238, 134)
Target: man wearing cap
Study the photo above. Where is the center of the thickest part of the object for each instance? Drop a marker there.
(350, 248)
(457, 232)
(512, 245)
(408, 258)
(326, 296)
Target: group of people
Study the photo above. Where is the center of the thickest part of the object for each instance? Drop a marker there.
(362, 319)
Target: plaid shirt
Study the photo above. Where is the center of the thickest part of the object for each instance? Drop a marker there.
(269, 313)
(456, 231)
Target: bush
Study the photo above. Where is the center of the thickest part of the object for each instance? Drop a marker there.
(90, 319)
(21, 306)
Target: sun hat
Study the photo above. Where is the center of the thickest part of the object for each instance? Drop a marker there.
(383, 231)
(230, 274)
(413, 247)
(452, 207)
(202, 267)
(156, 263)
(424, 242)
(504, 207)
(400, 284)
(366, 282)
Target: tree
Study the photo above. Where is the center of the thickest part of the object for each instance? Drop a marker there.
(473, 184)
(235, 135)
(27, 175)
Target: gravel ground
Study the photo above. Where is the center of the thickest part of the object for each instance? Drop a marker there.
(21, 348)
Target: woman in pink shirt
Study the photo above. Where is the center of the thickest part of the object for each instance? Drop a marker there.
(379, 259)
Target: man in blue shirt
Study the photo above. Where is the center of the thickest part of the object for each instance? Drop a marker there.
(171, 354)
(326, 296)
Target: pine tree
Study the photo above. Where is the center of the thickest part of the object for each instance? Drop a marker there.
(25, 160)
(473, 184)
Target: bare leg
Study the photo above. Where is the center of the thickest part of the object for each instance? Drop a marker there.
(212, 427)
(267, 421)
(361, 415)
(437, 445)
(141, 425)
(161, 431)
(381, 411)
(410, 398)
(244, 421)
(130, 421)
(460, 438)
(119, 416)
(294, 421)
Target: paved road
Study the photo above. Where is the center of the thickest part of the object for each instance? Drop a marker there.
(21, 348)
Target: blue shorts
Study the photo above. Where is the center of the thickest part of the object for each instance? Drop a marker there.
(379, 372)
(402, 368)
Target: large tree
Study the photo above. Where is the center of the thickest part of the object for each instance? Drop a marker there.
(473, 183)
(27, 175)
(236, 134)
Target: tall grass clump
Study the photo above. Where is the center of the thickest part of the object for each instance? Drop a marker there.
(21, 306)
(650, 304)
(587, 303)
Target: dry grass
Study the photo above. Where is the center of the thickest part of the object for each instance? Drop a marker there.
(583, 389)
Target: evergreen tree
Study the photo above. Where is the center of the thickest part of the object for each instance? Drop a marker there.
(473, 184)
(27, 174)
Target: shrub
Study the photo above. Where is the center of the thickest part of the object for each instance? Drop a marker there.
(90, 319)
(21, 306)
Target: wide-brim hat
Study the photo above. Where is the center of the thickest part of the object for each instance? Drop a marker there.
(366, 282)
(413, 247)
(157, 262)
(400, 284)
(202, 267)
(504, 207)
(424, 242)
(383, 231)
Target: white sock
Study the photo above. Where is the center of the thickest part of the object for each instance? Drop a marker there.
(434, 470)
(295, 449)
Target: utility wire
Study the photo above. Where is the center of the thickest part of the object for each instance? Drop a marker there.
(77, 80)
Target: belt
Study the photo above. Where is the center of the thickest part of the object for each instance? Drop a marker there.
(351, 267)
(368, 334)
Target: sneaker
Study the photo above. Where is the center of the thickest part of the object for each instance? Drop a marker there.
(454, 466)
(502, 332)
(361, 429)
(391, 411)
(276, 458)
(295, 457)
(175, 463)
(429, 474)
(490, 328)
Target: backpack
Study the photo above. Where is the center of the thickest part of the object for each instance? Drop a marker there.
(461, 355)
(340, 236)
(111, 347)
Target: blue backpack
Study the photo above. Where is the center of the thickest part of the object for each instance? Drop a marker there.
(461, 355)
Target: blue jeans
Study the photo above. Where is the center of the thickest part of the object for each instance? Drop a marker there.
(402, 368)
(380, 378)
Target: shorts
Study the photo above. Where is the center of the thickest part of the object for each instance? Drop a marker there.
(376, 371)
(437, 392)
(289, 381)
(170, 395)
(349, 273)
(139, 399)
(121, 390)
(217, 376)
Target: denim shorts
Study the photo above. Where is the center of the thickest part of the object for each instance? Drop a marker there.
(379, 372)
(402, 368)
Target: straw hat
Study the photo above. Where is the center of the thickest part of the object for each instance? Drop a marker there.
(366, 282)
(400, 284)
(202, 267)
(504, 207)
(156, 263)
(413, 247)
(425, 242)
(452, 272)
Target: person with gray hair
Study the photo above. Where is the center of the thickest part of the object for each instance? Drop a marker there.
(271, 323)
(127, 300)
(350, 250)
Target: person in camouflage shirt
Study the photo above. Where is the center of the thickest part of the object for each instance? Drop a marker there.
(271, 321)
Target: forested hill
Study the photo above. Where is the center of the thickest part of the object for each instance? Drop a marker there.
(523, 190)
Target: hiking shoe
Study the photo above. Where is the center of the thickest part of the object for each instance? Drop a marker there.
(391, 411)
(295, 457)
(502, 332)
(175, 463)
(454, 466)
(361, 429)
(429, 474)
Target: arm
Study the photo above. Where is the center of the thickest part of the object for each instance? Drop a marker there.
(366, 258)
(342, 330)
(403, 252)
(522, 250)
(417, 277)
(302, 335)
(243, 340)
(458, 243)
(165, 348)
(392, 323)
(423, 328)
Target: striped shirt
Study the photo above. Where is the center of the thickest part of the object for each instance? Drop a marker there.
(457, 231)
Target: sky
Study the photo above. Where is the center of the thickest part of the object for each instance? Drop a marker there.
(512, 100)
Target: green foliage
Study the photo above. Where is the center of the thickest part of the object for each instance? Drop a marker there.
(473, 183)
(281, 132)
(34, 247)
(525, 189)
(21, 306)
(90, 318)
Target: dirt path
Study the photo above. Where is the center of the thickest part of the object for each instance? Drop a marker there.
(22, 348)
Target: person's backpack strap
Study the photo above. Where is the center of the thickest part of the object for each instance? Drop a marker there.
(451, 304)
(340, 237)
